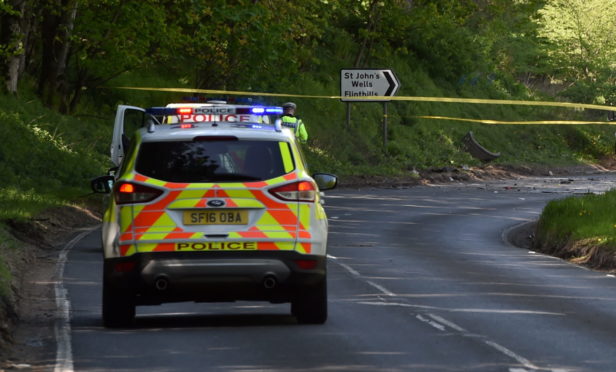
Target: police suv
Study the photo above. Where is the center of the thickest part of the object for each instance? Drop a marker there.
(210, 202)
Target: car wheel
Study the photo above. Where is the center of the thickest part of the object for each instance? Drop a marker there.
(310, 307)
(118, 307)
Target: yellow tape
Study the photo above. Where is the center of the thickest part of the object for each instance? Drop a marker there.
(229, 92)
(381, 98)
(498, 122)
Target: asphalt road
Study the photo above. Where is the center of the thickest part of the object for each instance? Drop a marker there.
(420, 279)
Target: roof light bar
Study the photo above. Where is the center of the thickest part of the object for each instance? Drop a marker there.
(273, 110)
(254, 110)
(263, 110)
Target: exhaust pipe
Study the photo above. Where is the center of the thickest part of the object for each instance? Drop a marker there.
(161, 283)
(270, 281)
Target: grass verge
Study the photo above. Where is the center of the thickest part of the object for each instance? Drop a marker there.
(581, 229)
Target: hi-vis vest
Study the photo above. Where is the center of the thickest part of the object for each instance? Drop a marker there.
(295, 123)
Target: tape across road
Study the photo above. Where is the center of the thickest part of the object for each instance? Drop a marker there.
(401, 98)
(229, 92)
(499, 122)
(416, 99)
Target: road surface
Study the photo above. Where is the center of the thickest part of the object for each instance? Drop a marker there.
(420, 279)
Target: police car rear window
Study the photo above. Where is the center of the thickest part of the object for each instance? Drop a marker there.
(211, 161)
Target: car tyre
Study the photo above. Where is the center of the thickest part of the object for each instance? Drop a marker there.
(310, 307)
(118, 307)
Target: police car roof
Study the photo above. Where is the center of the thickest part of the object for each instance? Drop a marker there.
(243, 131)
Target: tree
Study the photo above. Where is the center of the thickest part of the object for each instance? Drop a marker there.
(579, 40)
(58, 19)
(244, 44)
(111, 37)
(13, 38)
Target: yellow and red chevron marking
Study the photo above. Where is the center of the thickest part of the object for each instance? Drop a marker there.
(290, 176)
(306, 248)
(127, 249)
(178, 233)
(280, 222)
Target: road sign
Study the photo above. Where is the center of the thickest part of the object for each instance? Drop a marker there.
(361, 84)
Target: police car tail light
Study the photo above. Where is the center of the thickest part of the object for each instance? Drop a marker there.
(127, 192)
(124, 267)
(304, 191)
(306, 264)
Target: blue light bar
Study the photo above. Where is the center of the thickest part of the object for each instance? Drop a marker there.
(266, 110)
(273, 110)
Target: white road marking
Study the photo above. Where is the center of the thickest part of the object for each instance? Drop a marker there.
(349, 269)
(357, 274)
(441, 323)
(64, 352)
(432, 323)
(381, 288)
(447, 323)
(525, 362)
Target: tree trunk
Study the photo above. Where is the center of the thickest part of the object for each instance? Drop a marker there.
(13, 74)
(372, 23)
(15, 39)
(63, 58)
(57, 27)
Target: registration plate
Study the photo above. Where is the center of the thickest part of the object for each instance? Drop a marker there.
(216, 217)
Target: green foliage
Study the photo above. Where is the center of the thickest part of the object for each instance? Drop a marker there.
(45, 158)
(12, 46)
(580, 44)
(589, 217)
(445, 48)
(19, 203)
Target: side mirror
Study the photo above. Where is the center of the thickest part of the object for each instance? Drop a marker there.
(325, 181)
(102, 184)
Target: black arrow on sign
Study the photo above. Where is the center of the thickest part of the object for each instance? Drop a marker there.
(393, 84)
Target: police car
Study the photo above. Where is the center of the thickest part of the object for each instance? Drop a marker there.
(215, 205)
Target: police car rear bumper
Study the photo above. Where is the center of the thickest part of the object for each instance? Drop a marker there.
(159, 277)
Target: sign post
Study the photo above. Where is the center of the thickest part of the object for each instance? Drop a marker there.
(385, 125)
(368, 85)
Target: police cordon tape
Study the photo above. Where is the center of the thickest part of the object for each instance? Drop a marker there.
(413, 99)
(383, 98)
(499, 122)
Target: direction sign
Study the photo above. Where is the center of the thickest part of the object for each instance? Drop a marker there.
(361, 84)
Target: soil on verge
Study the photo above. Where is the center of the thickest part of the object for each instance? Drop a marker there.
(28, 315)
